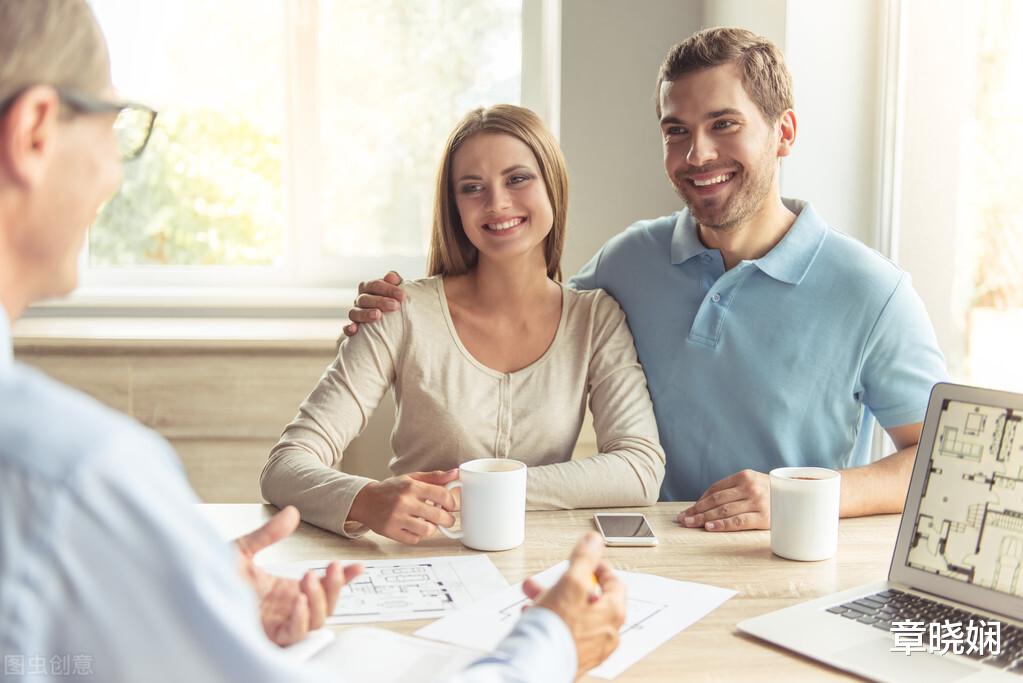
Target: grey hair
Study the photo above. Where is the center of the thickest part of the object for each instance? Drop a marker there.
(51, 42)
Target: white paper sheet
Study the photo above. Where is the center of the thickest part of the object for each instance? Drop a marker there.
(658, 609)
(313, 643)
(373, 654)
(412, 588)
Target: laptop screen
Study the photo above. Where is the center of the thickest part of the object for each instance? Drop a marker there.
(969, 523)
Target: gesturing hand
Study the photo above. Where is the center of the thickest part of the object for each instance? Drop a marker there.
(407, 508)
(593, 618)
(289, 608)
(741, 501)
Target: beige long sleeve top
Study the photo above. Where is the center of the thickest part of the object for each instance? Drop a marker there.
(451, 408)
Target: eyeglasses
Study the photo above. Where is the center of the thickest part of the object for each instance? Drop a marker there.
(133, 125)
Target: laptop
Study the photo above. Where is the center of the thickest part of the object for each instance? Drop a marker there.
(958, 560)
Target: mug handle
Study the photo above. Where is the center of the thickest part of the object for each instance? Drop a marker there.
(444, 530)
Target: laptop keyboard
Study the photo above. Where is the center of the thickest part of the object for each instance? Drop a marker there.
(882, 609)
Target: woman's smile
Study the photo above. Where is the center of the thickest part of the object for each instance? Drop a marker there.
(505, 227)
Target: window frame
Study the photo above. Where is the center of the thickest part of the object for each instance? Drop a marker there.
(305, 284)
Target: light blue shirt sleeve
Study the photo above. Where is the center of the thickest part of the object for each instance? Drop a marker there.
(125, 573)
(902, 360)
(539, 649)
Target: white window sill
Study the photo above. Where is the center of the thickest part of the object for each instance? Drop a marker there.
(198, 302)
(43, 334)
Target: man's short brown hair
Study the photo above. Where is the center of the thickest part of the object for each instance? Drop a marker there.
(51, 42)
(764, 75)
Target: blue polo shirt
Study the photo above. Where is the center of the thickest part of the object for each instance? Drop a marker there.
(784, 360)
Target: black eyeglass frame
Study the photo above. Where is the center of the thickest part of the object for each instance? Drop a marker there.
(87, 104)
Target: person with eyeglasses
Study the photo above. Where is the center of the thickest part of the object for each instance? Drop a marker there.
(107, 568)
(133, 124)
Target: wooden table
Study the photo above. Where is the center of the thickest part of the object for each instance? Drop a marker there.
(711, 649)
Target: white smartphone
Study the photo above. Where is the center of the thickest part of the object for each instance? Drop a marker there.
(624, 528)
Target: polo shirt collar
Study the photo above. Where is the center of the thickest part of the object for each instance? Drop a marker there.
(685, 240)
(6, 354)
(788, 261)
(792, 257)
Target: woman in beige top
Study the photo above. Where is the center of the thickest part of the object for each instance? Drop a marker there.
(489, 357)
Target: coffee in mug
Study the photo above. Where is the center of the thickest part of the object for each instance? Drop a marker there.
(493, 504)
(804, 512)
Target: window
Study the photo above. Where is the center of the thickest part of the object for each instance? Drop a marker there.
(298, 140)
(962, 215)
(991, 220)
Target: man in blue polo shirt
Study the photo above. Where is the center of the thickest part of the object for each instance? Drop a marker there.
(768, 338)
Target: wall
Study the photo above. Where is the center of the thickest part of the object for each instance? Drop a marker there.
(936, 93)
(221, 404)
(833, 50)
(766, 17)
(611, 51)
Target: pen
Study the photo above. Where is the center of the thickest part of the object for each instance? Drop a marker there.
(595, 590)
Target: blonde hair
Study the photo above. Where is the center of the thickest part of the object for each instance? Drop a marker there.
(451, 252)
(51, 42)
(765, 77)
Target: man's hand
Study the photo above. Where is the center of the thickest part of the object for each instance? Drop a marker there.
(741, 501)
(593, 616)
(376, 297)
(407, 508)
(289, 608)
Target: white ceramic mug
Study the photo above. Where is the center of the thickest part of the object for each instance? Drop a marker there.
(804, 512)
(493, 504)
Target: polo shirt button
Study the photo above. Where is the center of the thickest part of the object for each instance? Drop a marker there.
(706, 258)
(716, 298)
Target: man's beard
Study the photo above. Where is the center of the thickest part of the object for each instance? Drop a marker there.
(746, 199)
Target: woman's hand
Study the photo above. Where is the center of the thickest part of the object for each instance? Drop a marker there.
(407, 508)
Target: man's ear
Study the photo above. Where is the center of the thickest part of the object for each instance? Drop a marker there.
(786, 132)
(28, 132)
